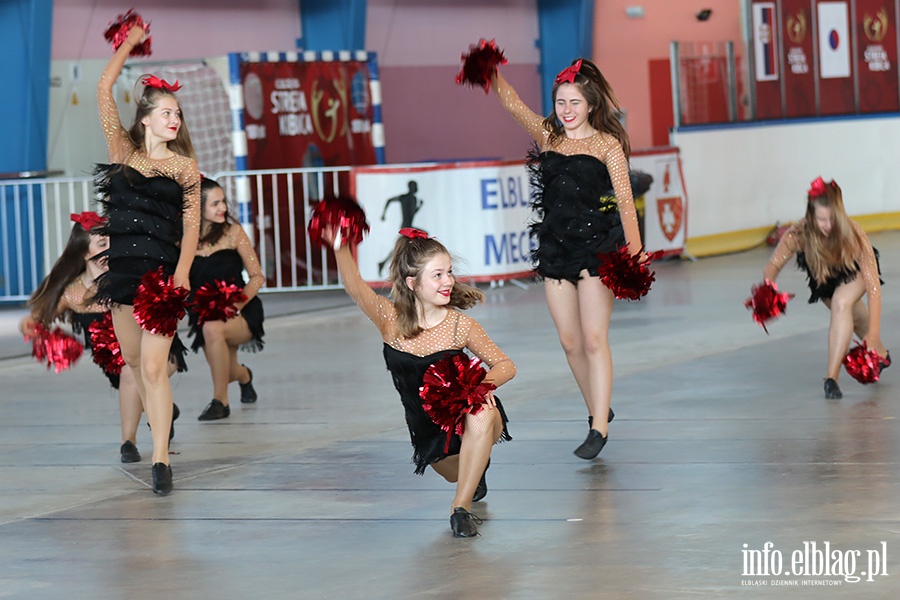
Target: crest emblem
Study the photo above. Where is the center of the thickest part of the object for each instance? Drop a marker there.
(876, 27)
(670, 212)
(796, 27)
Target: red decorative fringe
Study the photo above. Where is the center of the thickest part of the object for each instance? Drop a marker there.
(55, 348)
(117, 32)
(216, 300)
(862, 364)
(344, 215)
(625, 274)
(767, 302)
(479, 65)
(158, 304)
(451, 388)
(105, 346)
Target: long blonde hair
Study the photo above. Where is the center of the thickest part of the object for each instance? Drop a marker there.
(410, 257)
(838, 251)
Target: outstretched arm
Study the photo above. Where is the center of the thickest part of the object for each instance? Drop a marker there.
(532, 122)
(786, 248)
(377, 308)
(117, 139)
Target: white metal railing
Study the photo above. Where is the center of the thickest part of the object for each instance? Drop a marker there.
(273, 206)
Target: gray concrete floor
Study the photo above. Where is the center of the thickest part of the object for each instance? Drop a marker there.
(722, 439)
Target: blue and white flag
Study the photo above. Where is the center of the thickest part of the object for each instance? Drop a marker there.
(834, 40)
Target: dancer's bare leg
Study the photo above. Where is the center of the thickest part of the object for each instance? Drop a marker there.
(595, 303)
(840, 330)
(562, 301)
(158, 399)
(130, 406)
(221, 339)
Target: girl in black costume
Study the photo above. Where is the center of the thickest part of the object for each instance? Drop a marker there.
(841, 267)
(420, 327)
(66, 293)
(583, 206)
(151, 193)
(223, 253)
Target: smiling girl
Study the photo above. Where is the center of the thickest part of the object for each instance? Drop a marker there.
(583, 206)
(421, 325)
(223, 253)
(151, 194)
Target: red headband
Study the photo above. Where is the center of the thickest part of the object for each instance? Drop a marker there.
(155, 82)
(413, 233)
(88, 220)
(568, 74)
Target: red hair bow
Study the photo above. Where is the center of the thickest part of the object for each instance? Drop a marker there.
(568, 74)
(88, 220)
(413, 233)
(155, 82)
(816, 188)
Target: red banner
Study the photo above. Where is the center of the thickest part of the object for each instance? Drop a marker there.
(835, 74)
(797, 48)
(307, 114)
(875, 25)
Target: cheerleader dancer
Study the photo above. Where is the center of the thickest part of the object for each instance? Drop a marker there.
(223, 253)
(66, 294)
(584, 206)
(834, 251)
(422, 325)
(151, 193)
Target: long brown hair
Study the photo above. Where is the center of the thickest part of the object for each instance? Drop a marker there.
(70, 264)
(146, 102)
(409, 259)
(841, 248)
(216, 230)
(602, 104)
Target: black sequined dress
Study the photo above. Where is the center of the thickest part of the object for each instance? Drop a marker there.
(576, 216)
(225, 265)
(428, 439)
(145, 228)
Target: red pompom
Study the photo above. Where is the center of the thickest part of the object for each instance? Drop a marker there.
(451, 388)
(625, 274)
(479, 65)
(767, 302)
(56, 348)
(158, 304)
(216, 300)
(105, 346)
(117, 32)
(343, 215)
(862, 364)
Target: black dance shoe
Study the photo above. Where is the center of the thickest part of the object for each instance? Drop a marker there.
(213, 411)
(128, 453)
(592, 445)
(481, 490)
(886, 361)
(832, 391)
(248, 394)
(463, 523)
(162, 479)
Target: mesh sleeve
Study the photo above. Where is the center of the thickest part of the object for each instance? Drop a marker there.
(528, 119)
(251, 261)
(117, 140)
(786, 248)
(501, 367)
(617, 165)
